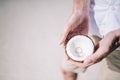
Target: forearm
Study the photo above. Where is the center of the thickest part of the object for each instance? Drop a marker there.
(80, 5)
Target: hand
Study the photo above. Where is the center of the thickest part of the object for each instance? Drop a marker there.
(109, 43)
(77, 24)
(78, 21)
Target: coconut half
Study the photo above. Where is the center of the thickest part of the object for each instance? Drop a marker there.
(80, 47)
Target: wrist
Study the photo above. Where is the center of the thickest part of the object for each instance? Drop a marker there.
(117, 35)
(81, 6)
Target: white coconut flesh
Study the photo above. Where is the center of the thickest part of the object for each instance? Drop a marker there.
(79, 47)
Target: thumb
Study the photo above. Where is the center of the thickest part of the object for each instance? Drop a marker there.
(90, 60)
(94, 58)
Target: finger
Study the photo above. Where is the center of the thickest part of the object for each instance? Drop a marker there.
(91, 60)
(64, 36)
(79, 64)
(96, 57)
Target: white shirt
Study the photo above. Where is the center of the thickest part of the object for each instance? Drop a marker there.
(105, 16)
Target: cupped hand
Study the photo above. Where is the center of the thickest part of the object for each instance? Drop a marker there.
(110, 42)
(76, 24)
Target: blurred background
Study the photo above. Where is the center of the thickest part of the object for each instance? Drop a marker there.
(29, 39)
